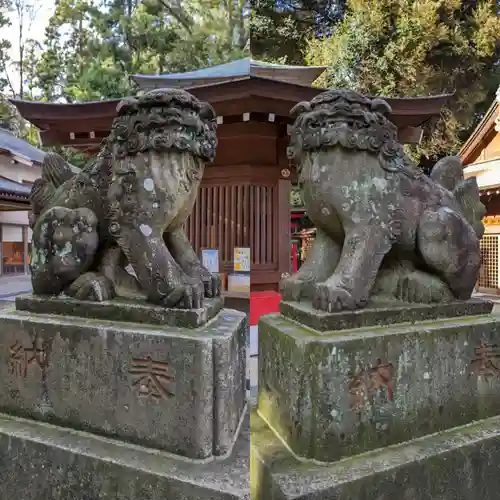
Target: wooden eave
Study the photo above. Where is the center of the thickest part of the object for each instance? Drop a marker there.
(482, 135)
(4, 195)
(11, 201)
(9, 205)
(251, 94)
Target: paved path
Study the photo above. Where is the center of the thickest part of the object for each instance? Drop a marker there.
(10, 286)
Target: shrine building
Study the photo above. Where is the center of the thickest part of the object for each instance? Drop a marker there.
(244, 199)
(20, 166)
(481, 157)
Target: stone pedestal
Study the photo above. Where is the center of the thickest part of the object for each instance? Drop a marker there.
(347, 385)
(128, 378)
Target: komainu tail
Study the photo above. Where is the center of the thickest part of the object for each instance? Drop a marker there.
(449, 173)
(55, 172)
(467, 194)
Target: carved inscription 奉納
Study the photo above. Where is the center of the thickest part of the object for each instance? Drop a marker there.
(486, 361)
(21, 358)
(152, 378)
(370, 381)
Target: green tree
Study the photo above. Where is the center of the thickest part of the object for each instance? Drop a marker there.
(425, 47)
(16, 72)
(280, 29)
(5, 46)
(94, 47)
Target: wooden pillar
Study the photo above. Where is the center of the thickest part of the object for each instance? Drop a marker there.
(284, 239)
(26, 246)
(1, 249)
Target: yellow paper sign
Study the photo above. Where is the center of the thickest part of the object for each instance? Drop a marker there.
(242, 259)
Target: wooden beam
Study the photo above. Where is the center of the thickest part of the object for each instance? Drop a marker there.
(410, 135)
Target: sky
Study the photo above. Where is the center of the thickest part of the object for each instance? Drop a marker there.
(37, 32)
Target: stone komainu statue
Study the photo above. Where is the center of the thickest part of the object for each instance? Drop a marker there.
(384, 228)
(128, 207)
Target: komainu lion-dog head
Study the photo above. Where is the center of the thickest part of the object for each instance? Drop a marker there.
(344, 118)
(159, 144)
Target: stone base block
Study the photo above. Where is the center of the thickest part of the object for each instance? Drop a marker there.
(458, 464)
(333, 394)
(381, 313)
(119, 309)
(177, 389)
(44, 462)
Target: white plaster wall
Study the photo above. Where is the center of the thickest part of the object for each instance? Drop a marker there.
(14, 218)
(492, 229)
(18, 172)
(487, 173)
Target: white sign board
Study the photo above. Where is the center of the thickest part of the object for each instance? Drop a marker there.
(210, 259)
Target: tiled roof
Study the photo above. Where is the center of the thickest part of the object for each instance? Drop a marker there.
(239, 69)
(20, 147)
(13, 189)
(489, 124)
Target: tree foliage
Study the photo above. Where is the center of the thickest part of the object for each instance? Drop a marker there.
(418, 48)
(16, 66)
(280, 29)
(94, 47)
(5, 45)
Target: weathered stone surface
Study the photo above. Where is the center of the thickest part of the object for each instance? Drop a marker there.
(45, 462)
(177, 389)
(336, 394)
(128, 207)
(459, 464)
(122, 310)
(383, 226)
(380, 314)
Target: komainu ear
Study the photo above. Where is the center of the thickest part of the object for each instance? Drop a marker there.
(207, 112)
(381, 106)
(301, 107)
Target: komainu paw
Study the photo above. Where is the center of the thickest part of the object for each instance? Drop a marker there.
(212, 285)
(92, 286)
(292, 288)
(332, 298)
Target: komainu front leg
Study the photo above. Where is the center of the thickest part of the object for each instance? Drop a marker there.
(159, 275)
(320, 264)
(113, 264)
(350, 285)
(182, 251)
(64, 246)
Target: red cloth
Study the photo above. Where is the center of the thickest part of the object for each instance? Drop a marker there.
(262, 303)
